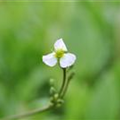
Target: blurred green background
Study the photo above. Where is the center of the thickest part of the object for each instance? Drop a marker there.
(91, 30)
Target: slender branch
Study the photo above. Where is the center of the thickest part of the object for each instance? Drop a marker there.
(65, 89)
(63, 82)
(67, 84)
(36, 111)
(61, 94)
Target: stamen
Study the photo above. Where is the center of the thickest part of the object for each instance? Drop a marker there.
(59, 53)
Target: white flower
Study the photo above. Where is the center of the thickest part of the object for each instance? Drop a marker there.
(61, 55)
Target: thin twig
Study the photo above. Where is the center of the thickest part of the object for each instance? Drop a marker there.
(63, 82)
(36, 111)
(67, 84)
(62, 92)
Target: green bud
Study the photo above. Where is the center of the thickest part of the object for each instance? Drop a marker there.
(60, 101)
(58, 105)
(52, 91)
(52, 82)
(56, 96)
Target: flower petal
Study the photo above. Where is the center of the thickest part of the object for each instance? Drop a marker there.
(67, 60)
(59, 44)
(50, 59)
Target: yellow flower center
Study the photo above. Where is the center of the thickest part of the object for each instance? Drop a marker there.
(59, 53)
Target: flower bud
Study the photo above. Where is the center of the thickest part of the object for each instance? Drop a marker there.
(52, 91)
(56, 96)
(60, 101)
(58, 105)
(52, 82)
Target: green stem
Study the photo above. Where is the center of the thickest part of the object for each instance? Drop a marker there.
(63, 82)
(65, 89)
(62, 92)
(36, 111)
(67, 84)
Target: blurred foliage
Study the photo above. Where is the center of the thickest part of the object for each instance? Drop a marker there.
(91, 30)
